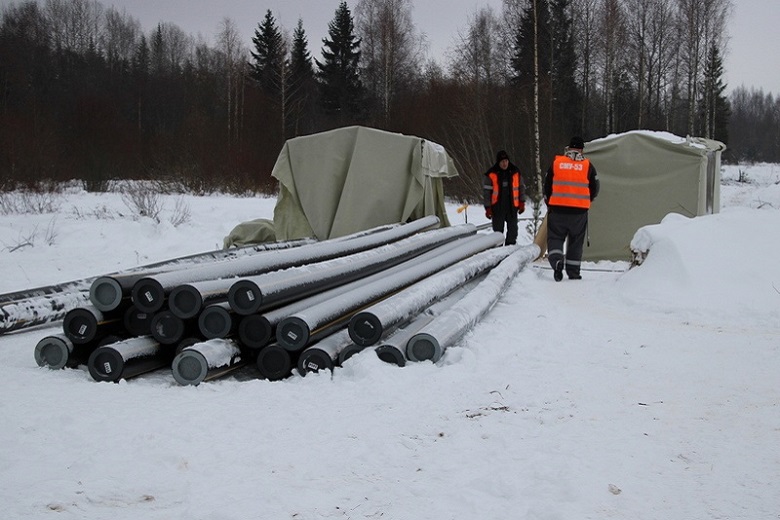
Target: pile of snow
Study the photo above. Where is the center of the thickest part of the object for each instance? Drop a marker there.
(642, 393)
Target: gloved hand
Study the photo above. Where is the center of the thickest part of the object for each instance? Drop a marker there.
(489, 212)
(521, 208)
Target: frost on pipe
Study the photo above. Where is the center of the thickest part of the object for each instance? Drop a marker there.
(206, 361)
(127, 359)
(86, 324)
(149, 293)
(369, 325)
(111, 291)
(448, 327)
(295, 332)
(253, 294)
(324, 354)
(275, 363)
(39, 310)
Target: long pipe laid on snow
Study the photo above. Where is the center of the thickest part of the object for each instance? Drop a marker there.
(126, 359)
(297, 331)
(169, 329)
(323, 354)
(39, 310)
(207, 361)
(86, 324)
(448, 327)
(149, 293)
(217, 321)
(369, 325)
(253, 294)
(275, 363)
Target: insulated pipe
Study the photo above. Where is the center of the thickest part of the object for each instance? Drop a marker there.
(169, 329)
(257, 330)
(206, 361)
(217, 321)
(127, 359)
(111, 291)
(275, 363)
(295, 332)
(392, 348)
(448, 327)
(187, 300)
(39, 310)
(137, 322)
(250, 295)
(369, 325)
(324, 354)
(86, 324)
(149, 293)
(58, 351)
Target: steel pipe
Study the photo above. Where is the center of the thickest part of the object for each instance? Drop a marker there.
(207, 361)
(127, 359)
(39, 310)
(169, 329)
(324, 354)
(448, 327)
(369, 325)
(111, 291)
(250, 295)
(149, 293)
(275, 363)
(295, 332)
(87, 324)
(217, 321)
(137, 322)
(58, 351)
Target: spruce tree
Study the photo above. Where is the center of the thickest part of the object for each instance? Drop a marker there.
(301, 84)
(715, 105)
(341, 91)
(267, 67)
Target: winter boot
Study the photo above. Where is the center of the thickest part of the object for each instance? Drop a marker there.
(558, 272)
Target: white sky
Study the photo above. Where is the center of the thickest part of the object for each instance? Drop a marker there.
(750, 60)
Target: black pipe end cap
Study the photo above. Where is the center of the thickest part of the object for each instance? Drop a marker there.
(105, 293)
(245, 297)
(106, 364)
(137, 322)
(314, 360)
(255, 331)
(167, 328)
(391, 354)
(293, 333)
(423, 347)
(80, 325)
(53, 352)
(215, 322)
(349, 351)
(189, 367)
(274, 363)
(185, 301)
(365, 329)
(148, 295)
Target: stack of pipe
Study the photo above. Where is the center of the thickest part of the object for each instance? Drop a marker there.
(309, 307)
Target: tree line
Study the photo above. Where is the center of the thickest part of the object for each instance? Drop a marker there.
(86, 94)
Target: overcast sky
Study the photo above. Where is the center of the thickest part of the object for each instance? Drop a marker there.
(751, 58)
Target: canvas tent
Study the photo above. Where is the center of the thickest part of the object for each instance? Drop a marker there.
(350, 179)
(645, 176)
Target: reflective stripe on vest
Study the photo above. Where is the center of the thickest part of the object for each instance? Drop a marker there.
(493, 176)
(570, 185)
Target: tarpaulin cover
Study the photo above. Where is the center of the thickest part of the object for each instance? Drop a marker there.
(350, 179)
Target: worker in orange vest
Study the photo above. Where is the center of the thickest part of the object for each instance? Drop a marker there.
(569, 187)
(504, 195)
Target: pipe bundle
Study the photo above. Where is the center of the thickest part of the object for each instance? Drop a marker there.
(308, 306)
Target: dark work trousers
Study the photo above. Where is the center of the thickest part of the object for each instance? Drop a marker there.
(506, 214)
(560, 228)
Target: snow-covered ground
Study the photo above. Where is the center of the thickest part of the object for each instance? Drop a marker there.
(642, 394)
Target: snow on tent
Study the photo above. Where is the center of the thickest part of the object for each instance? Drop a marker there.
(350, 179)
(645, 176)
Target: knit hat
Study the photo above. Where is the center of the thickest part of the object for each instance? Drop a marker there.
(501, 155)
(577, 142)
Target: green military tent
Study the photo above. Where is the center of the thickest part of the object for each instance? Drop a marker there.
(350, 179)
(644, 176)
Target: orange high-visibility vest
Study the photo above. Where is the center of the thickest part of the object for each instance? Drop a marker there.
(570, 186)
(515, 188)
